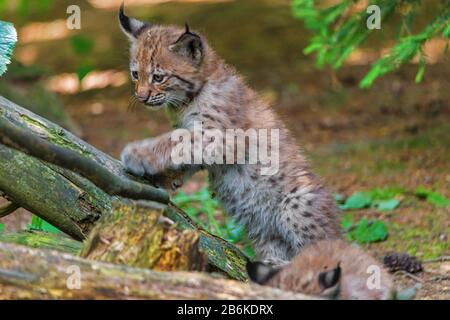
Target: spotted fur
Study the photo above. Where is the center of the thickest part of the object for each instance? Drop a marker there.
(283, 212)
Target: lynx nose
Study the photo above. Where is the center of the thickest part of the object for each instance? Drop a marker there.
(142, 96)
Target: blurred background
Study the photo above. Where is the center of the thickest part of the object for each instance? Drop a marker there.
(384, 150)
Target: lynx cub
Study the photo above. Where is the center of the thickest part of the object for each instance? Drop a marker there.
(176, 68)
(331, 269)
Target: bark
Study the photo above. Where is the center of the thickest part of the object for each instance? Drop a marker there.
(43, 240)
(39, 274)
(73, 203)
(139, 235)
(8, 209)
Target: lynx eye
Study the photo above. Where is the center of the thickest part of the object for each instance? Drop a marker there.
(158, 78)
(134, 75)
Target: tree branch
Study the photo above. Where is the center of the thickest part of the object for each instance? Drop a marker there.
(20, 139)
(8, 209)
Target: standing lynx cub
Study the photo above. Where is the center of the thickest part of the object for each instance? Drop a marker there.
(176, 68)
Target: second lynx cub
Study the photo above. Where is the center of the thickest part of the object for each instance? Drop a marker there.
(176, 68)
(330, 269)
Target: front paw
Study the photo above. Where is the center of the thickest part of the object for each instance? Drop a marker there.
(136, 161)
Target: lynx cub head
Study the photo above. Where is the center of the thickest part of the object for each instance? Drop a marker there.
(168, 65)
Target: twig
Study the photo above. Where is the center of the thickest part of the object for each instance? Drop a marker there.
(440, 278)
(8, 209)
(438, 259)
(410, 275)
(18, 138)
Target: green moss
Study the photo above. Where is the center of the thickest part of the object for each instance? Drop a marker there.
(39, 239)
(56, 136)
(417, 241)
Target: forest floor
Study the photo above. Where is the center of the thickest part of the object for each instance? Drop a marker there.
(396, 134)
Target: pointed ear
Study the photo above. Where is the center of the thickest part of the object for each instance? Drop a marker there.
(130, 26)
(260, 273)
(330, 281)
(189, 45)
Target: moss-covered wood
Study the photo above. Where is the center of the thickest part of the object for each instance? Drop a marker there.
(74, 204)
(42, 190)
(138, 235)
(43, 240)
(27, 273)
(221, 253)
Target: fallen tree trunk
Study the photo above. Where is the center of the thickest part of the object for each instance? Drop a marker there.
(39, 274)
(73, 203)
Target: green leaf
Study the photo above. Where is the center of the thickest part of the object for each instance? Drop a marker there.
(2, 227)
(358, 200)
(42, 225)
(438, 200)
(339, 198)
(386, 205)
(346, 222)
(434, 198)
(83, 70)
(312, 47)
(81, 44)
(386, 193)
(421, 192)
(382, 199)
(8, 39)
(204, 210)
(421, 71)
(367, 232)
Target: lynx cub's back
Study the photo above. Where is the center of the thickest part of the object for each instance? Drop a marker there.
(176, 68)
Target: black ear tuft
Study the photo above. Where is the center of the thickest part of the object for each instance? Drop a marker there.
(189, 45)
(130, 26)
(331, 278)
(259, 272)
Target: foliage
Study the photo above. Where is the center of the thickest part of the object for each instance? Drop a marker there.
(42, 225)
(364, 231)
(434, 198)
(337, 32)
(82, 46)
(204, 210)
(8, 39)
(384, 199)
(23, 9)
(2, 227)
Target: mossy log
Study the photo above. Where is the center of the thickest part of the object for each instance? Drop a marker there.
(138, 235)
(27, 273)
(74, 204)
(43, 240)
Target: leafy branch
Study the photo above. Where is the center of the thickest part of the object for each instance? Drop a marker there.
(337, 32)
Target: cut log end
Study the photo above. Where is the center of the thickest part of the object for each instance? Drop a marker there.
(139, 235)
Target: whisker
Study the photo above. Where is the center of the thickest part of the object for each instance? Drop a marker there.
(132, 104)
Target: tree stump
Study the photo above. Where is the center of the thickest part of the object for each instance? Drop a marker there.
(138, 235)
